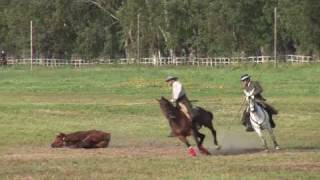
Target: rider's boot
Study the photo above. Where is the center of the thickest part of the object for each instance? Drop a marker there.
(249, 126)
(246, 121)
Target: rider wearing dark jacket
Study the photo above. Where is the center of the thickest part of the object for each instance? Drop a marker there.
(255, 86)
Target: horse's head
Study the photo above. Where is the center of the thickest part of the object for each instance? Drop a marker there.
(166, 106)
(250, 99)
(164, 103)
(59, 141)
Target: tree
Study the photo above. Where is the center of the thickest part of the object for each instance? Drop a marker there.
(144, 28)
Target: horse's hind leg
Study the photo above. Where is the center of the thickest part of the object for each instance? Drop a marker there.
(201, 138)
(214, 135)
(273, 137)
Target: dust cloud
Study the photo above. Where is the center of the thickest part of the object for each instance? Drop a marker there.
(238, 142)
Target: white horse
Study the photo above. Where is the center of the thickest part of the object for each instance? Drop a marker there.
(260, 120)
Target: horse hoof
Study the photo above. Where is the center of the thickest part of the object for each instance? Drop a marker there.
(192, 152)
(204, 151)
(218, 147)
(277, 148)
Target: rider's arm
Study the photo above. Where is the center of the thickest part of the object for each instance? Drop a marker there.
(257, 88)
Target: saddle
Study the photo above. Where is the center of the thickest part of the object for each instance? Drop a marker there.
(195, 111)
(268, 108)
(271, 110)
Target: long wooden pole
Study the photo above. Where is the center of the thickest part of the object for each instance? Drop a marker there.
(275, 37)
(138, 38)
(31, 45)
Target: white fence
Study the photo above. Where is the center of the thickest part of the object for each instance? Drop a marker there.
(176, 61)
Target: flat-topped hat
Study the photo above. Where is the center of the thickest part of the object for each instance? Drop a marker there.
(169, 78)
(244, 77)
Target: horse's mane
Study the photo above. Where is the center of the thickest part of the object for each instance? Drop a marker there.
(168, 109)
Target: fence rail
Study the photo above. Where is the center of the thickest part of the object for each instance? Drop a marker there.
(176, 61)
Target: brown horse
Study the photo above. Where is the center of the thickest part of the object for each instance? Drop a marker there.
(182, 127)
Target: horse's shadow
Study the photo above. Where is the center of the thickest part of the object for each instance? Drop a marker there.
(302, 149)
(305, 148)
(234, 151)
(246, 151)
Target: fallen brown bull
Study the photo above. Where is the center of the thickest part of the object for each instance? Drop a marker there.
(82, 139)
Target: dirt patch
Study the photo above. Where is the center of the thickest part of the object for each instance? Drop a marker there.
(66, 153)
(232, 144)
(112, 152)
(32, 153)
(234, 151)
(178, 151)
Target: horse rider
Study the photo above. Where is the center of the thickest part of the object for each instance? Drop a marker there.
(248, 86)
(179, 97)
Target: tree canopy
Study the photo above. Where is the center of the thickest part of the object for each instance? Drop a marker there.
(144, 28)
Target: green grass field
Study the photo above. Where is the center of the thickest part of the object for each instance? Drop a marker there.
(36, 105)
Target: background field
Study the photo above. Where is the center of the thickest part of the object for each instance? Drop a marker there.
(36, 105)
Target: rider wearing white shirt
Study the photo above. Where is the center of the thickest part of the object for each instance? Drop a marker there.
(177, 90)
(179, 96)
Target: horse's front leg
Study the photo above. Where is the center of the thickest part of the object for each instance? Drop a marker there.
(262, 138)
(192, 152)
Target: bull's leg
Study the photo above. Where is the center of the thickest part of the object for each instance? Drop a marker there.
(102, 144)
(76, 145)
(87, 142)
(85, 145)
(192, 152)
(105, 142)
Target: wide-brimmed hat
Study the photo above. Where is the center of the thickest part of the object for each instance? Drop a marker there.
(169, 78)
(244, 77)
